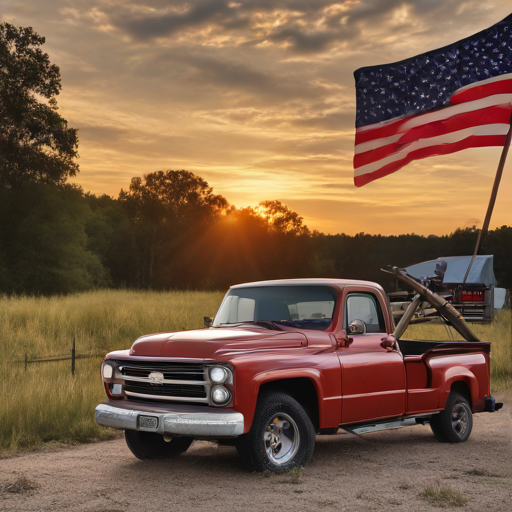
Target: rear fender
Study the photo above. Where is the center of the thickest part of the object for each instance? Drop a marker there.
(459, 374)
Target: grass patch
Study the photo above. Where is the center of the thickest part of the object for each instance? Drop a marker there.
(481, 472)
(22, 485)
(45, 404)
(443, 496)
(295, 475)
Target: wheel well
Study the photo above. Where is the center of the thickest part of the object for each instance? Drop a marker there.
(302, 390)
(462, 388)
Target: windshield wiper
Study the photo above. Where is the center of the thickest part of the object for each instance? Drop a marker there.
(263, 323)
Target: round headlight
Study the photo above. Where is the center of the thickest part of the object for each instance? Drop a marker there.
(107, 371)
(220, 395)
(218, 374)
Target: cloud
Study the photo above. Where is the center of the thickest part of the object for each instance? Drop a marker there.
(302, 27)
(311, 42)
(162, 23)
(331, 121)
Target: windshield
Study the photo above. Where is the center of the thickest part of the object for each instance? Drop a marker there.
(305, 307)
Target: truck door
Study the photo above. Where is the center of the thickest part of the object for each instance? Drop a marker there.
(372, 378)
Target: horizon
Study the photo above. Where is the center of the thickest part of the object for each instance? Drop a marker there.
(229, 90)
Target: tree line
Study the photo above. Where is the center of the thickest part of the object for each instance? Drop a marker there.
(168, 229)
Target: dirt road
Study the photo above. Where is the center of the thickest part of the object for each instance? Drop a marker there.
(381, 471)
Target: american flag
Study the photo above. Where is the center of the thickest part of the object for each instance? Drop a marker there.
(440, 102)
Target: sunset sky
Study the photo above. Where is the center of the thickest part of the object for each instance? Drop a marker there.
(258, 98)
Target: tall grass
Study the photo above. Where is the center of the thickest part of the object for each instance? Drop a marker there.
(101, 321)
(45, 403)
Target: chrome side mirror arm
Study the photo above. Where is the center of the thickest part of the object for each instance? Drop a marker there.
(357, 327)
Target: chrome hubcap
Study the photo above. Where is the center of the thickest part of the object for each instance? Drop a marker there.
(281, 439)
(460, 419)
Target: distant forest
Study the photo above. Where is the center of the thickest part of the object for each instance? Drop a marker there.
(169, 230)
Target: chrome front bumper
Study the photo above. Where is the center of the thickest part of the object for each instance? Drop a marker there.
(176, 419)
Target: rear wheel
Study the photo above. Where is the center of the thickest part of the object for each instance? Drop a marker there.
(281, 437)
(454, 424)
(148, 445)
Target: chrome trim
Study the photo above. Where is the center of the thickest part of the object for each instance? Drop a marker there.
(169, 398)
(163, 381)
(212, 423)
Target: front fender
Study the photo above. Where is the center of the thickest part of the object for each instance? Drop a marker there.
(252, 390)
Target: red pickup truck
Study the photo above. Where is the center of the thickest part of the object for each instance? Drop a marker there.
(284, 361)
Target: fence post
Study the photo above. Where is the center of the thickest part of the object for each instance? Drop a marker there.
(73, 358)
(26, 361)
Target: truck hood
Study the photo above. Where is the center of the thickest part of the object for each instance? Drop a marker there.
(215, 343)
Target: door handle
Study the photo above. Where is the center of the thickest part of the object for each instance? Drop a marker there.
(389, 343)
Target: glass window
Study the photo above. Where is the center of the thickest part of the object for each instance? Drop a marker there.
(365, 307)
(306, 307)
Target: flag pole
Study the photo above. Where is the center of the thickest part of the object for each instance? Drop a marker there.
(485, 227)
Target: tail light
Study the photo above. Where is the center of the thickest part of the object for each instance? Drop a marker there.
(472, 296)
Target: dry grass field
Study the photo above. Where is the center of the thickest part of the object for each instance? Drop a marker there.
(45, 404)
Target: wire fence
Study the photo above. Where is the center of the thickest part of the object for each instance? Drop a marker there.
(73, 356)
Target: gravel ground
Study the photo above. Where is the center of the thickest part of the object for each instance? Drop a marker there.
(380, 471)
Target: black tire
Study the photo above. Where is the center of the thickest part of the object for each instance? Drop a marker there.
(148, 445)
(281, 436)
(454, 424)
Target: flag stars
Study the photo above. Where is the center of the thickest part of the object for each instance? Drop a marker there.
(426, 82)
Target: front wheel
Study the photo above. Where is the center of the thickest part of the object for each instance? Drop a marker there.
(281, 436)
(454, 424)
(148, 445)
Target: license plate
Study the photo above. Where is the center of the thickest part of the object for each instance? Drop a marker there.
(148, 422)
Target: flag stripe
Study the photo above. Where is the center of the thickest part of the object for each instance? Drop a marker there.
(365, 154)
(490, 129)
(401, 125)
(442, 149)
(499, 78)
(483, 91)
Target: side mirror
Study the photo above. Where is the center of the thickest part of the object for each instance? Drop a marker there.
(208, 321)
(357, 327)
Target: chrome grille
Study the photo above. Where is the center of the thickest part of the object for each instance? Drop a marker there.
(184, 382)
(170, 390)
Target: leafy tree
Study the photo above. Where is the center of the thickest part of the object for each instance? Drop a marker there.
(168, 209)
(499, 243)
(43, 241)
(36, 144)
(110, 236)
(282, 219)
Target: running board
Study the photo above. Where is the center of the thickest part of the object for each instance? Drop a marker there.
(376, 427)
